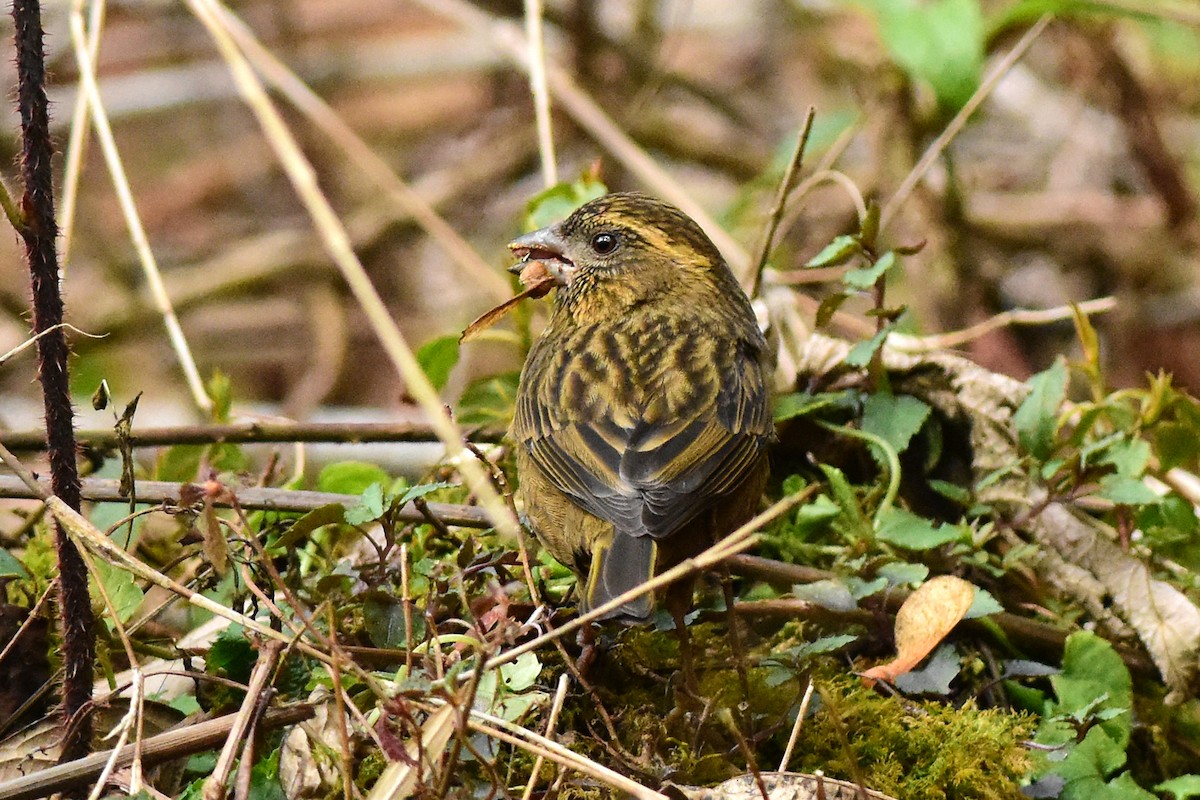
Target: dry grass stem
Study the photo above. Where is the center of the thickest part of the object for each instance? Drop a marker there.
(337, 245)
(537, 87)
(112, 157)
(77, 141)
(560, 695)
(795, 735)
(535, 743)
(361, 155)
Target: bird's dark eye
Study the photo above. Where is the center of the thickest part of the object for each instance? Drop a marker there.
(605, 243)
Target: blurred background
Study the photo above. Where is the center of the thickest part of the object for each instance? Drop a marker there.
(1075, 180)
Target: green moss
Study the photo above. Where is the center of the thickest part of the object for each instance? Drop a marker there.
(902, 747)
(914, 749)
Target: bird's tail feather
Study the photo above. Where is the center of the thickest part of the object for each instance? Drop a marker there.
(619, 567)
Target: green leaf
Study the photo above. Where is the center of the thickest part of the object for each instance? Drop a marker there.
(1177, 444)
(829, 306)
(813, 517)
(894, 418)
(521, 674)
(370, 506)
(122, 590)
(983, 604)
(489, 401)
(557, 202)
(437, 358)
(331, 514)
(1125, 491)
(264, 779)
(853, 522)
(837, 252)
(1129, 456)
(350, 477)
(905, 529)
(1183, 787)
(935, 677)
(831, 594)
(951, 491)
(801, 404)
(220, 391)
(420, 490)
(826, 644)
(383, 618)
(903, 574)
(866, 277)
(861, 354)
(231, 654)
(938, 41)
(1091, 668)
(185, 704)
(1037, 418)
(227, 457)
(179, 463)
(860, 588)
(10, 567)
(1172, 530)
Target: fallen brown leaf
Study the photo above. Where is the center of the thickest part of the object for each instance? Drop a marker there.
(922, 622)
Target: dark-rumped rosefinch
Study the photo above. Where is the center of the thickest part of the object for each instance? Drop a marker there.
(643, 413)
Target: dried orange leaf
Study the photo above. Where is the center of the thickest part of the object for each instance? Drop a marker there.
(538, 284)
(922, 622)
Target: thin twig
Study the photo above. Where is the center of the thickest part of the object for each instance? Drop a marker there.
(32, 340)
(1018, 316)
(537, 744)
(86, 534)
(268, 658)
(781, 194)
(841, 179)
(960, 119)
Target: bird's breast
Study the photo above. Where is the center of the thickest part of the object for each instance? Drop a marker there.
(648, 366)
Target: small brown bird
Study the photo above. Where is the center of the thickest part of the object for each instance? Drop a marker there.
(643, 412)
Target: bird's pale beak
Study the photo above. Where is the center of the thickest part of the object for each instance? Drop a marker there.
(547, 245)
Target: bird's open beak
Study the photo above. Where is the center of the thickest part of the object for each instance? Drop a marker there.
(548, 246)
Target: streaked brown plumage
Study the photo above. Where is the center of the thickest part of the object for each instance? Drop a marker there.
(643, 412)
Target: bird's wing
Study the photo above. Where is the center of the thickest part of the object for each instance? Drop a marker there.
(652, 476)
(681, 467)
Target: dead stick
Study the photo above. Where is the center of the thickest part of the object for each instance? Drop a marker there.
(157, 749)
(248, 433)
(256, 498)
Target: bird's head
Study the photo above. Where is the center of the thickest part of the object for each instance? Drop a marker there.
(626, 243)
